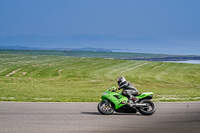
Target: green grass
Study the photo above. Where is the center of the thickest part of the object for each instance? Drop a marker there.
(52, 78)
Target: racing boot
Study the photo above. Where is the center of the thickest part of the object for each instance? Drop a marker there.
(135, 100)
(130, 103)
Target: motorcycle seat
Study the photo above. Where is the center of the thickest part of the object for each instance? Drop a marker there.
(137, 95)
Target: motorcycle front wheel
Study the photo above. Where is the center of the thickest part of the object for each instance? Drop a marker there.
(147, 110)
(105, 107)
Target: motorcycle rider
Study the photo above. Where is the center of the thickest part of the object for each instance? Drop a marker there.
(128, 90)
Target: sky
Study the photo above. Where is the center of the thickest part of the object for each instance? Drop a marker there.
(176, 21)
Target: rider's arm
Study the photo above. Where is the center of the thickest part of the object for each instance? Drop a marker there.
(123, 85)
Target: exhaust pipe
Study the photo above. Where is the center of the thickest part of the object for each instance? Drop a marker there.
(140, 105)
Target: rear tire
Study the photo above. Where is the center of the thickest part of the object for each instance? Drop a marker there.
(105, 108)
(149, 110)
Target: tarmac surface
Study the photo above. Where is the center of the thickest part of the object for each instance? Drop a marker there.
(24, 117)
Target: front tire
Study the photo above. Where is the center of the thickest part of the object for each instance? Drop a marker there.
(149, 109)
(105, 107)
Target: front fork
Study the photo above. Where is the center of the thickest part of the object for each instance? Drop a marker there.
(107, 103)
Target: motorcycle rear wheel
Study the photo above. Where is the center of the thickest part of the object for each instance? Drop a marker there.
(105, 108)
(149, 110)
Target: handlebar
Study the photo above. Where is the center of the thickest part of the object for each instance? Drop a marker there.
(112, 89)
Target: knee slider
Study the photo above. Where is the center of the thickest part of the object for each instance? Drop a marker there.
(124, 92)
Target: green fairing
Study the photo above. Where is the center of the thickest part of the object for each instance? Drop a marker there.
(112, 96)
(118, 98)
(143, 95)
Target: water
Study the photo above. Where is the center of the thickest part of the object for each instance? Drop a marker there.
(187, 61)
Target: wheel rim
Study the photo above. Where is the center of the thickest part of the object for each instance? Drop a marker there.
(107, 108)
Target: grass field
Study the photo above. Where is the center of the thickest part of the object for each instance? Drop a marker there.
(33, 78)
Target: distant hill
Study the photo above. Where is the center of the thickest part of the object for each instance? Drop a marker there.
(77, 41)
(94, 42)
(98, 53)
(56, 49)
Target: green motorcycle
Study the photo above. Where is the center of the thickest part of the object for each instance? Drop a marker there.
(113, 101)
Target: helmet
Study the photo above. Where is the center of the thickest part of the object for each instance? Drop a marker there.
(121, 80)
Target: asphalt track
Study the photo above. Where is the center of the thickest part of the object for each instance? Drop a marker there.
(20, 117)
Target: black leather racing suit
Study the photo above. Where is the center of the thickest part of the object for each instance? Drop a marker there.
(128, 90)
